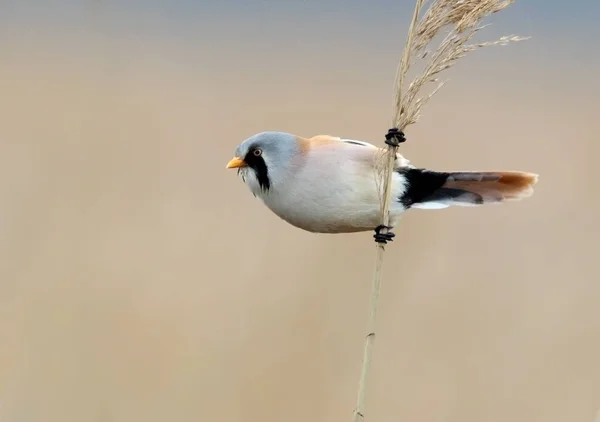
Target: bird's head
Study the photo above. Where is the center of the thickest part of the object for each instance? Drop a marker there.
(263, 160)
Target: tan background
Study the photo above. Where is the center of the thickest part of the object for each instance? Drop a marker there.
(141, 281)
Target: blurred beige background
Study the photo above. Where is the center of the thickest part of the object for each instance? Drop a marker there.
(140, 280)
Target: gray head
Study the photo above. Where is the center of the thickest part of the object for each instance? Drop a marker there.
(263, 158)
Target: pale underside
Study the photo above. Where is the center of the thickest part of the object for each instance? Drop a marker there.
(337, 193)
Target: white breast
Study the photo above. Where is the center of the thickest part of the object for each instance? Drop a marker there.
(333, 189)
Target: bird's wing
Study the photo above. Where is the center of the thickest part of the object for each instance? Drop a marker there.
(361, 150)
(366, 150)
(327, 139)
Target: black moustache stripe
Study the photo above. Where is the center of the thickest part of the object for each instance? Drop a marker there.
(258, 165)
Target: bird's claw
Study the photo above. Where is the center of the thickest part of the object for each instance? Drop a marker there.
(383, 238)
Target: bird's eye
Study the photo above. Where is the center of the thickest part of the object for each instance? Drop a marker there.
(257, 152)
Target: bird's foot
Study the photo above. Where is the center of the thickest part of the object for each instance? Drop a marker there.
(383, 238)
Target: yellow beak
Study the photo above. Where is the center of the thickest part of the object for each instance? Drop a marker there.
(236, 162)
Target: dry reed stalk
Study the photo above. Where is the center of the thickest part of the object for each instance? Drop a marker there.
(462, 19)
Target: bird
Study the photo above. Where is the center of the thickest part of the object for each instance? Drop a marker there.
(332, 185)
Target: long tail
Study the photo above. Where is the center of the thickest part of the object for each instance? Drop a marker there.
(431, 190)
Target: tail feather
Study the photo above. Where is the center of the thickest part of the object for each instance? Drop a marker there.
(430, 190)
